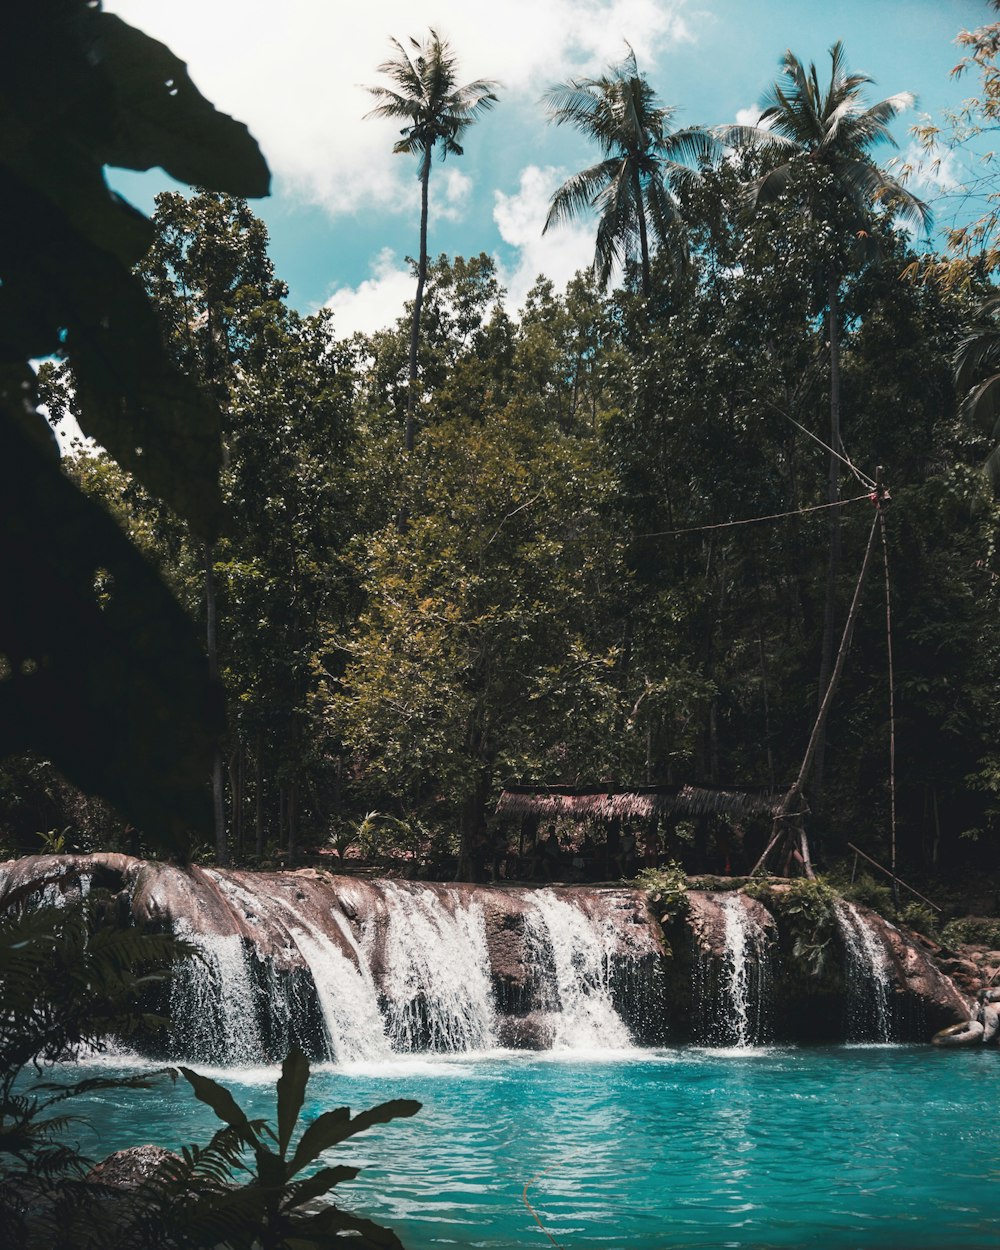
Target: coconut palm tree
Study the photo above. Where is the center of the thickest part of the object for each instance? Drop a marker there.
(633, 188)
(814, 145)
(436, 111)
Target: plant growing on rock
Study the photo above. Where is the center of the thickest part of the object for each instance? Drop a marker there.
(666, 889)
(805, 909)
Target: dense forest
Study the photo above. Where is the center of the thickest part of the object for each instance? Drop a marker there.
(601, 539)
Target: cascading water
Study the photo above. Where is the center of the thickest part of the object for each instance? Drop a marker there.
(574, 952)
(213, 1008)
(437, 991)
(352, 969)
(868, 973)
(347, 996)
(747, 978)
(732, 976)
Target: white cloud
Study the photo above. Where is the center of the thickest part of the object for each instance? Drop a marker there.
(377, 301)
(749, 116)
(457, 189)
(520, 217)
(296, 72)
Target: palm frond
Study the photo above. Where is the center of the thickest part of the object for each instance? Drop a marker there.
(865, 184)
(620, 113)
(689, 146)
(769, 186)
(578, 195)
(982, 404)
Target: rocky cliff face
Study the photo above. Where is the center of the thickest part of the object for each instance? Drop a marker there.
(356, 968)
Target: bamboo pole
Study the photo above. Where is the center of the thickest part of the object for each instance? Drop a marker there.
(793, 795)
(888, 873)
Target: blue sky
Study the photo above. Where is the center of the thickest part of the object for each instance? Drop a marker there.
(343, 212)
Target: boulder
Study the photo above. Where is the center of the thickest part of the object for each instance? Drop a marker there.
(129, 1169)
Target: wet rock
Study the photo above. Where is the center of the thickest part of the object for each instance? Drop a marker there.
(530, 1032)
(924, 994)
(129, 1169)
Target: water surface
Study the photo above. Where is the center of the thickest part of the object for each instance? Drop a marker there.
(851, 1148)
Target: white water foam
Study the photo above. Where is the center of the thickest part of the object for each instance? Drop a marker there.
(745, 979)
(438, 994)
(868, 973)
(345, 990)
(212, 1002)
(577, 997)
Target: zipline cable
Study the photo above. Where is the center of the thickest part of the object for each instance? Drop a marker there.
(755, 520)
(842, 456)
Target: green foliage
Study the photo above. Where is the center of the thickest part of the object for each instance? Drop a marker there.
(68, 982)
(71, 978)
(974, 930)
(666, 888)
(85, 665)
(866, 890)
(805, 910)
(644, 163)
(198, 1204)
(923, 919)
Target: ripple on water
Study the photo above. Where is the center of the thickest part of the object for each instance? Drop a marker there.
(848, 1149)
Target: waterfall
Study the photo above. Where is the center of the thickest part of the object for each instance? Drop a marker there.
(732, 975)
(747, 975)
(868, 975)
(213, 1008)
(437, 989)
(345, 990)
(574, 951)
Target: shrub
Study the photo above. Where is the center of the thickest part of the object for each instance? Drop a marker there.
(806, 909)
(974, 930)
(920, 917)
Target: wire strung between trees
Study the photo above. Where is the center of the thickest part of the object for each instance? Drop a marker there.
(863, 478)
(755, 520)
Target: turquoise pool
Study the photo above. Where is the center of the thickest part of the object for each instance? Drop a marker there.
(831, 1147)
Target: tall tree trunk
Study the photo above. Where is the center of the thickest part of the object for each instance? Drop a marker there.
(473, 847)
(833, 563)
(218, 796)
(236, 796)
(418, 299)
(647, 285)
(258, 797)
(293, 820)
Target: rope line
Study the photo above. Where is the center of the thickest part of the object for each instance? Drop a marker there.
(537, 1177)
(863, 478)
(892, 697)
(755, 520)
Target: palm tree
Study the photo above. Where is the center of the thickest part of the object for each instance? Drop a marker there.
(436, 112)
(814, 147)
(645, 163)
(977, 378)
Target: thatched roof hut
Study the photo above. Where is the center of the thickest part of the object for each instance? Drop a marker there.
(605, 803)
